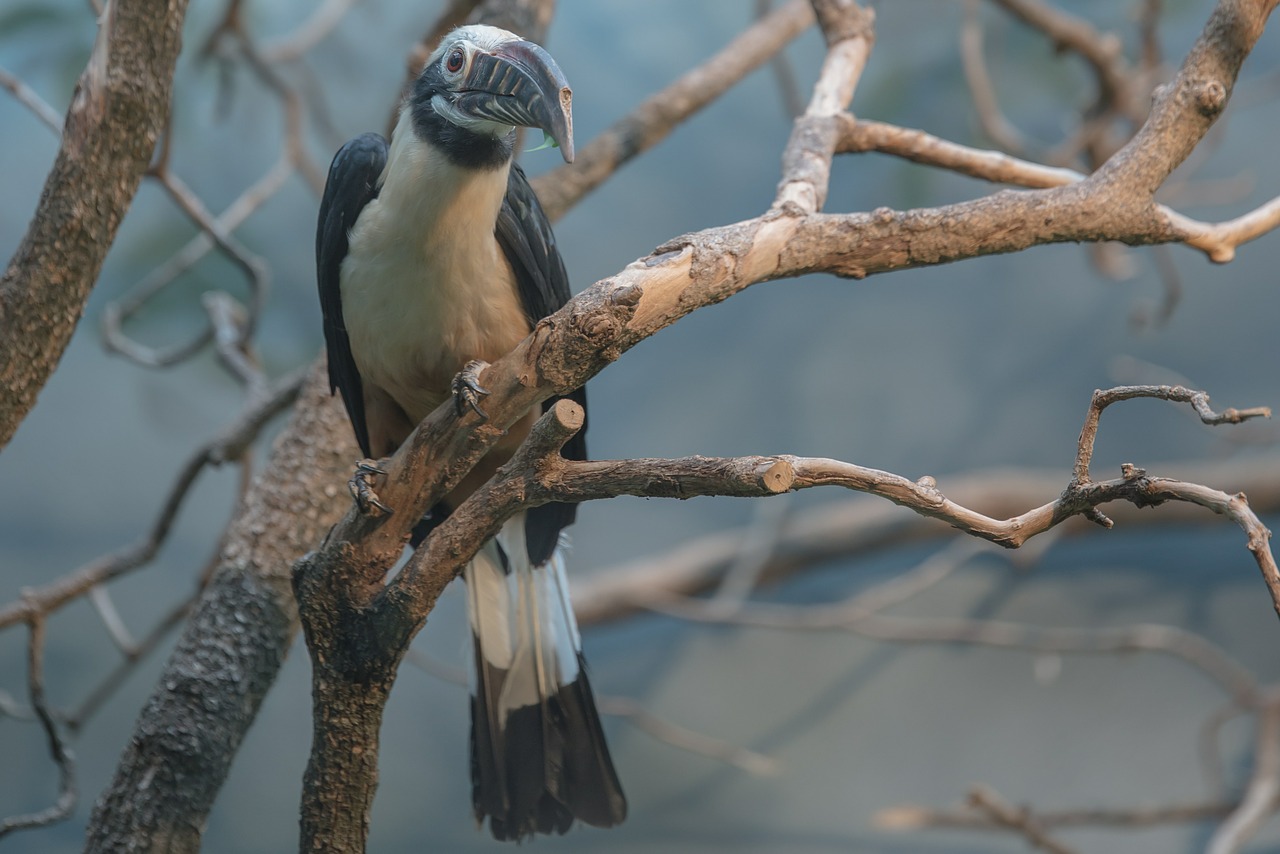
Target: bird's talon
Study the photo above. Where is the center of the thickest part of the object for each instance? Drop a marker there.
(467, 390)
(361, 486)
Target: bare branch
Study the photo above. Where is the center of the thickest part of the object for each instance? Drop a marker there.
(1219, 240)
(756, 764)
(1260, 797)
(1104, 52)
(754, 554)
(921, 147)
(76, 718)
(1129, 818)
(182, 746)
(1199, 401)
(116, 313)
(230, 445)
(858, 526)
(33, 102)
(1019, 819)
(310, 33)
(783, 73)
(111, 619)
(66, 801)
(806, 161)
(973, 60)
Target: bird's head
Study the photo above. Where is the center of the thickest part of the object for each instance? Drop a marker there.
(481, 83)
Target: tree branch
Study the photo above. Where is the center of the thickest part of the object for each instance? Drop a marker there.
(119, 109)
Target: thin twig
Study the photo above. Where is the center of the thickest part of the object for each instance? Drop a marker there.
(111, 619)
(783, 72)
(1020, 819)
(1208, 749)
(756, 550)
(1259, 800)
(310, 33)
(27, 96)
(1189, 648)
(230, 445)
(634, 713)
(997, 128)
(1198, 400)
(911, 817)
(62, 758)
(756, 764)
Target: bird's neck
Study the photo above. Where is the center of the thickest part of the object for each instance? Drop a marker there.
(450, 201)
(465, 147)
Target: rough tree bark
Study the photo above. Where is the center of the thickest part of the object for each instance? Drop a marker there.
(119, 109)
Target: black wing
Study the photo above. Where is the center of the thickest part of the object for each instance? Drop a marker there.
(352, 184)
(524, 232)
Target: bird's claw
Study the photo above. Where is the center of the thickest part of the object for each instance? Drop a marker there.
(361, 486)
(467, 390)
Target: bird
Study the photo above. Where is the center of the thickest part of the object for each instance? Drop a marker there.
(433, 258)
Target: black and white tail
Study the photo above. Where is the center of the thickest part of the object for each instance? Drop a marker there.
(538, 755)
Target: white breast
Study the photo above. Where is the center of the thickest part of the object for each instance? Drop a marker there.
(425, 285)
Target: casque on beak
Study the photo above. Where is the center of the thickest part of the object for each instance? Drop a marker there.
(520, 84)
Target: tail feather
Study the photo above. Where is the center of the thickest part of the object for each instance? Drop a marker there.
(538, 754)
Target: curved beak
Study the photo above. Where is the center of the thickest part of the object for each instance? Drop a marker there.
(520, 84)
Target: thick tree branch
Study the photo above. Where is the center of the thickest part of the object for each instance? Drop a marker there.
(119, 109)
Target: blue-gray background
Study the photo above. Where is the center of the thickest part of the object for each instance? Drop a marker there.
(937, 371)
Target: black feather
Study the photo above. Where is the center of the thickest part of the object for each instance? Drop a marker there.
(352, 184)
(543, 765)
(524, 232)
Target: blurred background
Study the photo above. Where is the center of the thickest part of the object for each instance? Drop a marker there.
(948, 371)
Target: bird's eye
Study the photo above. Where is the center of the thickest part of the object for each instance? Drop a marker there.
(454, 62)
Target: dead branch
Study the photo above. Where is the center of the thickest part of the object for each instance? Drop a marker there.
(1128, 818)
(1259, 800)
(995, 125)
(230, 445)
(1018, 819)
(294, 45)
(62, 757)
(658, 728)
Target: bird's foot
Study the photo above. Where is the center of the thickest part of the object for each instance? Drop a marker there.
(361, 486)
(467, 390)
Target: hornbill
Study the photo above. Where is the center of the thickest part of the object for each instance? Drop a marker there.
(434, 256)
